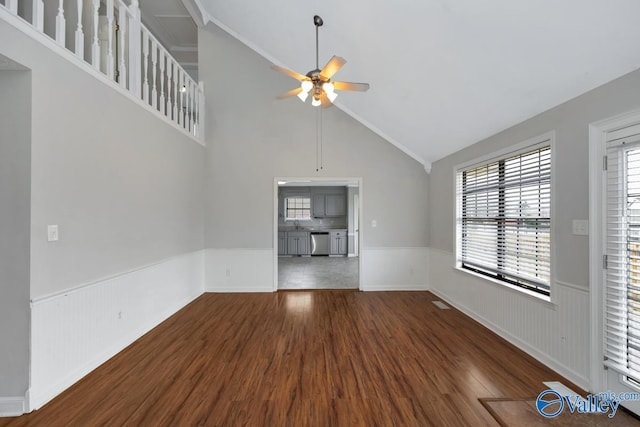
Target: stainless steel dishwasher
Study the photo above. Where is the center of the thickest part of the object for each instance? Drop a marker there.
(319, 243)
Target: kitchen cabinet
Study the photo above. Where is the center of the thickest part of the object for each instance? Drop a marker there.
(282, 243)
(335, 205)
(297, 243)
(329, 205)
(317, 205)
(338, 240)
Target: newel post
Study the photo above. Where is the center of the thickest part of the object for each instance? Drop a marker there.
(135, 49)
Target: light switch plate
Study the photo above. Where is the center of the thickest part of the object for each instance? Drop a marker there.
(580, 227)
(374, 223)
(52, 233)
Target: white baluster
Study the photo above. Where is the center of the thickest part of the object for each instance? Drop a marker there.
(135, 52)
(60, 24)
(110, 60)
(38, 15)
(122, 25)
(190, 104)
(196, 125)
(177, 108)
(161, 105)
(79, 33)
(145, 61)
(95, 47)
(201, 111)
(183, 98)
(12, 5)
(154, 70)
(169, 77)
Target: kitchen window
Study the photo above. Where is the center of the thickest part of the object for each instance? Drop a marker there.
(297, 208)
(504, 218)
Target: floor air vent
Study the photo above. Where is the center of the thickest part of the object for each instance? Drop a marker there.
(441, 305)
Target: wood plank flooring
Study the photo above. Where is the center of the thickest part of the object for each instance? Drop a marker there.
(302, 358)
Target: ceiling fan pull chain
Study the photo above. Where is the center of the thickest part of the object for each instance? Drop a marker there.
(317, 143)
(321, 140)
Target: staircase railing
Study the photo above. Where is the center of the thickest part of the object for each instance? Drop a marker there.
(109, 36)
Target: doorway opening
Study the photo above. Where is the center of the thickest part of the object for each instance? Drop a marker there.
(316, 233)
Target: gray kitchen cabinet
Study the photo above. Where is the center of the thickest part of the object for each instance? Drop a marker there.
(317, 206)
(297, 243)
(338, 240)
(329, 205)
(335, 205)
(282, 243)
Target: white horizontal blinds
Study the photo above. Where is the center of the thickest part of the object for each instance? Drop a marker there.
(622, 300)
(504, 216)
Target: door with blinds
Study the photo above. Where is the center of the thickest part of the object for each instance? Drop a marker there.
(621, 261)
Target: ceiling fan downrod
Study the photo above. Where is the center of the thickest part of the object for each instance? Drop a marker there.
(318, 22)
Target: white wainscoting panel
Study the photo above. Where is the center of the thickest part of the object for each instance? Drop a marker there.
(556, 333)
(76, 331)
(239, 270)
(12, 406)
(394, 269)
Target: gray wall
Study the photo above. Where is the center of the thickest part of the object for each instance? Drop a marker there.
(15, 191)
(253, 138)
(571, 176)
(125, 188)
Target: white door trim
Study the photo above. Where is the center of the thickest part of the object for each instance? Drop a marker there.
(597, 148)
(275, 218)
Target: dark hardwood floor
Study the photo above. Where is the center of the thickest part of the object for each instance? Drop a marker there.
(305, 358)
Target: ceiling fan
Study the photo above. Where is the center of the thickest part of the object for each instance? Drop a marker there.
(317, 82)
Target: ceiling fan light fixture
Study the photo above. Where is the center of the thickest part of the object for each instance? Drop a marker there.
(315, 102)
(303, 96)
(306, 85)
(332, 96)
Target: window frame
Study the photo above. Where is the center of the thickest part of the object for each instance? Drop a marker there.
(544, 140)
(286, 208)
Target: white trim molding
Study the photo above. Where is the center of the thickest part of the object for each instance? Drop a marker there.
(12, 406)
(394, 269)
(555, 334)
(73, 333)
(239, 270)
(597, 217)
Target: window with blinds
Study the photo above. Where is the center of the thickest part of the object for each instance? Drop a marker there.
(504, 219)
(297, 208)
(622, 296)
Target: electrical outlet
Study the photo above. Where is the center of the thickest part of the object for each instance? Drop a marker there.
(52, 233)
(374, 223)
(228, 272)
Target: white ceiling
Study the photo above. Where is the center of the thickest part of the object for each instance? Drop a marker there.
(444, 73)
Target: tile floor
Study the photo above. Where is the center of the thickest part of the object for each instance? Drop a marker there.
(318, 273)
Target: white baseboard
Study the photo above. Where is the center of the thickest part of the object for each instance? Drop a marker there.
(395, 269)
(555, 334)
(12, 406)
(75, 332)
(239, 270)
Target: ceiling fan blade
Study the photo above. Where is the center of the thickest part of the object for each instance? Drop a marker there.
(290, 93)
(289, 73)
(332, 67)
(324, 99)
(358, 87)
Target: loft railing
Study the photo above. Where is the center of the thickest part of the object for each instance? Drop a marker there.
(109, 35)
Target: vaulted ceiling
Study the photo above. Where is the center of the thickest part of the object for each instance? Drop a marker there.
(444, 74)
